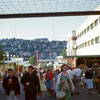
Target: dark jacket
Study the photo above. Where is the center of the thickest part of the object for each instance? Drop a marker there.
(15, 85)
(34, 86)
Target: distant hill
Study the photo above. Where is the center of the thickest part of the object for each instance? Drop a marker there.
(26, 48)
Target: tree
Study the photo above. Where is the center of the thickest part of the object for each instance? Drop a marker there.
(33, 60)
(63, 53)
(1, 53)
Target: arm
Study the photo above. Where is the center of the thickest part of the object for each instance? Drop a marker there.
(17, 86)
(71, 84)
(4, 84)
(23, 80)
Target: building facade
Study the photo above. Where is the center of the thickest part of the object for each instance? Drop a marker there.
(86, 39)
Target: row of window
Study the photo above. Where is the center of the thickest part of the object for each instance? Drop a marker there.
(90, 27)
(88, 43)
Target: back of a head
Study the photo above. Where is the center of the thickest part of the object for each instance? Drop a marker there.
(30, 67)
(10, 69)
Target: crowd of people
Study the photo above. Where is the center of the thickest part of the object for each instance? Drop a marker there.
(61, 84)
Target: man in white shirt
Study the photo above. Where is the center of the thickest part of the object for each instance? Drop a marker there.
(77, 75)
(70, 72)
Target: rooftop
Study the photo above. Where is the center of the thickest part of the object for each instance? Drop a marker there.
(45, 8)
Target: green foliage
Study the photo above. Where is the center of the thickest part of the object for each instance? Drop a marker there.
(1, 53)
(63, 53)
(33, 60)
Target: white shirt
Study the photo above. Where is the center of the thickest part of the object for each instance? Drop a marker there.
(77, 72)
(71, 73)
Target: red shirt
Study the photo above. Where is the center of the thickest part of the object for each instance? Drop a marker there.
(47, 74)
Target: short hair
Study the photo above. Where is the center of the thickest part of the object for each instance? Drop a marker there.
(10, 69)
(63, 66)
(30, 67)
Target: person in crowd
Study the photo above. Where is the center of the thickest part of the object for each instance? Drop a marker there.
(48, 78)
(43, 87)
(70, 72)
(77, 77)
(12, 86)
(16, 73)
(98, 76)
(54, 84)
(56, 78)
(44, 73)
(25, 72)
(84, 81)
(96, 79)
(31, 83)
(89, 77)
(64, 78)
(0, 77)
(5, 75)
(94, 76)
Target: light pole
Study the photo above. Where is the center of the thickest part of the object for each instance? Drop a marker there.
(37, 58)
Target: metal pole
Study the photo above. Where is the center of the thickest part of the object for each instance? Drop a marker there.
(37, 59)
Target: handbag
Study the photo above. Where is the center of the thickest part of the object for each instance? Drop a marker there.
(61, 95)
(65, 86)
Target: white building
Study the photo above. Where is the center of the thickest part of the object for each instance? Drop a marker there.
(88, 38)
(71, 44)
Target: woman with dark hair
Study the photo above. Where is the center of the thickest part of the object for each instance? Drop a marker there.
(89, 77)
(65, 83)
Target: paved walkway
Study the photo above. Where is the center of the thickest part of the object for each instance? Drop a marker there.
(83, 96)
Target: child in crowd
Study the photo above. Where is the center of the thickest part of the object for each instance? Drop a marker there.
(43, 86)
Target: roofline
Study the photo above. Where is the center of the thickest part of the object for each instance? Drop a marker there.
(81, 56)
(53, 14)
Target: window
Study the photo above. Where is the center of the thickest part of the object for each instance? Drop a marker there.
(91, 26)
(88, 43)
(85, 44)
(81, 45)
(80, 35)
(99, 19)
(96, 22)
(92, 41)
(84, 31)
(87, 28)
(97, 39)
(78, 47)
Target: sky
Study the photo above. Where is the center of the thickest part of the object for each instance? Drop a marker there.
(53, 28)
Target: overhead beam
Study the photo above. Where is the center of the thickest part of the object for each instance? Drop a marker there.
(54, 14)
